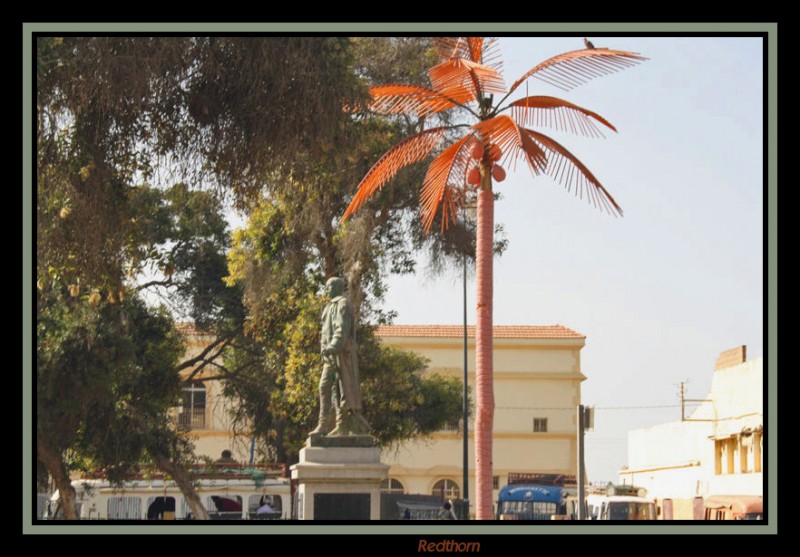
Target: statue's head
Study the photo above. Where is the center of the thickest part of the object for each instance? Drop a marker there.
(335, 286)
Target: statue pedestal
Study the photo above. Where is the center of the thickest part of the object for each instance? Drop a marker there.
(339, 478)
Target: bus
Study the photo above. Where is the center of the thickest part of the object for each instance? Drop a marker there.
(622, 502)
(237, 496)
(537, 497)
(734, 507)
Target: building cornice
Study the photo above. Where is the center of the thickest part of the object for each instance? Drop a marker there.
(499, 331)
(516, 375)
(498, 344)
(456, 436)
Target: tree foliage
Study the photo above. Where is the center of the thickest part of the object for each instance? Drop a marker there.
(294, 240)
(274, 370)
(139, 142)
(216, 111)
(278, 368)
(107, 365)
(105, 378)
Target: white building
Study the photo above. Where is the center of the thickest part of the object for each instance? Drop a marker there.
(717, 450)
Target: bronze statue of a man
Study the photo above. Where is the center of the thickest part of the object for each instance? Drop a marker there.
(339, 386)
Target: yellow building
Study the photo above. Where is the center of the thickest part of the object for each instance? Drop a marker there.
(204, 410)
(717, 450)
(537, 387)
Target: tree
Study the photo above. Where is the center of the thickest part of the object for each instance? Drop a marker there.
(120, 118)
(215, 112)
(467, 78)
(313, 200)
(105, 379)
(273, 371)
(294, 240)
(108, 366)
(401, 399)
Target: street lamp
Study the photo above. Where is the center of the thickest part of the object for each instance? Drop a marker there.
(470, 213)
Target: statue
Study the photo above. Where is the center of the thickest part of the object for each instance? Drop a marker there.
(339, 386)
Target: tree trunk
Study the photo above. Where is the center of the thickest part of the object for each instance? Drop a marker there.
(184, 483)
(56, 467)
(280, 442)
(484, 388)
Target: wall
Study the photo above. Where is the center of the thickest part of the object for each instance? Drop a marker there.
(535, 377)
(681, 460)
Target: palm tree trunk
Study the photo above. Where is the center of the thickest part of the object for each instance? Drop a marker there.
(484, 387)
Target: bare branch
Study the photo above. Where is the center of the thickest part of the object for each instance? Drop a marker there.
(165, 283)
(219, 344)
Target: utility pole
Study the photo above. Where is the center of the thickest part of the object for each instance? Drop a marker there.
(682, 394)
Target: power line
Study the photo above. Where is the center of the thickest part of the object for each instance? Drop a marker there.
(637, 407)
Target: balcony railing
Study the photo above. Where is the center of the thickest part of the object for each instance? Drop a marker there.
(453, 426)
(192, 418)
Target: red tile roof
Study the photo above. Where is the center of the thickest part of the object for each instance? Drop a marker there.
(457, 331)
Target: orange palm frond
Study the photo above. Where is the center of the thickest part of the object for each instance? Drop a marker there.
(475, 47)
(402, 99)
(489, 53)
(566, 169)
(552, 112)
(567, 71)
(408, 151)
(451, 47)
(504, 132)
(443, 182)
(459, 73)
(483, 50)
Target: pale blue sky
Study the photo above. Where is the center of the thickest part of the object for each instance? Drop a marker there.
(660, 292)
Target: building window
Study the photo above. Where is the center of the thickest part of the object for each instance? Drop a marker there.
(495, 482)
(392, 485)
(123, 508)
(193, 411)
(539, 425)
(160, 508)
(746, 453)
(260, 504)
(446, 489)
(733, 450)
(726, 457)
(227, 506)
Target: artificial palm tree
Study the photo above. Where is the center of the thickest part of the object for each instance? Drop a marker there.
(469, 77)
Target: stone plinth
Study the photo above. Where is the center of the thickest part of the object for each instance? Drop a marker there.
(339, 478)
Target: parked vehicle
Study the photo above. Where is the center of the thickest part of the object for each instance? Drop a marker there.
(621, 503)
(226, 496)
(734, 507)
(537, 497)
